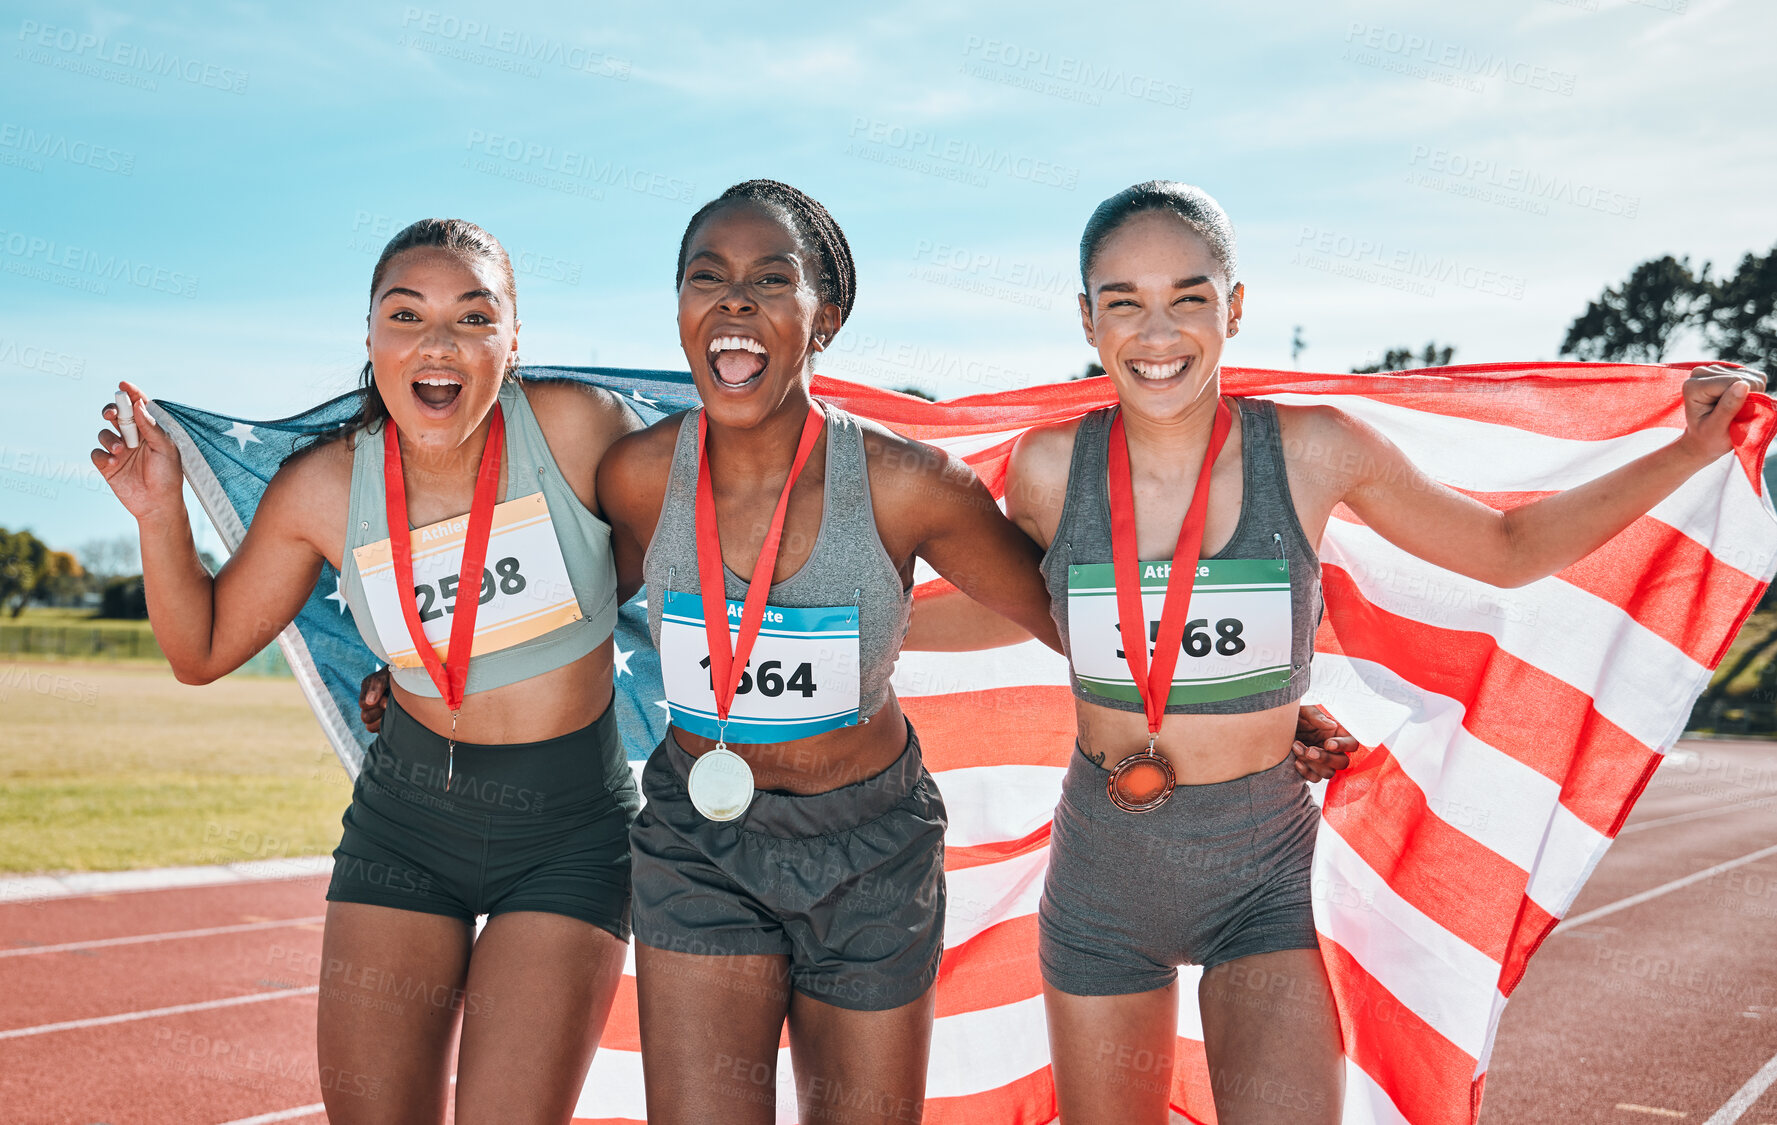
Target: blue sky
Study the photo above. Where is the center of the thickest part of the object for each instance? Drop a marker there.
(193, 198)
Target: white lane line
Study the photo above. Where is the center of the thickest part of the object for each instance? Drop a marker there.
(1663, 888)
(1746, 1095)
(1700, 814)
(156, 1013)
(33, 889)
(139, 939)
(281, 1115)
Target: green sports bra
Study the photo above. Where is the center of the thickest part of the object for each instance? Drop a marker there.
(584, 539)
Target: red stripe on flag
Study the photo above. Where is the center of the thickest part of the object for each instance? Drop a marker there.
(997, 966)
(975, 855)
(1459, 883)
(1653, 572)
(1427, 1076)
(1596, 761)
(1012, 726)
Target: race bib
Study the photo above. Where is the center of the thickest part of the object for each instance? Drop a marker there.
(801, 679)
(524, 592)
(1236, 642)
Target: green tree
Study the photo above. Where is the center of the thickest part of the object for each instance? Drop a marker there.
(915, 392)
(1404, 359)
(1635, 321)
(1092, 371)
(1742, 319)
(28, 569)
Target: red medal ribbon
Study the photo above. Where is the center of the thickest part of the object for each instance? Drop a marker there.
(1154, 683)
(727, 665)
(452, 673)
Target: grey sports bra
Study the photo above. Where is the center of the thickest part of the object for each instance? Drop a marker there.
(1267, 530)
(847, 567)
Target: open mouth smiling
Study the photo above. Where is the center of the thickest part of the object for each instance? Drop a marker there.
(737, 360)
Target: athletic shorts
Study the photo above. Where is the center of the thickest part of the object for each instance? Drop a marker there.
(848, 884)
(1218, 872)
(526, 826)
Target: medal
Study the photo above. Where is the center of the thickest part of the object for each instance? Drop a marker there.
(721, 783)
(1143, 781)
(452, 673)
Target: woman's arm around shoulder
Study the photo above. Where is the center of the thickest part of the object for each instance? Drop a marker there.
(631, 489)
(930, 504)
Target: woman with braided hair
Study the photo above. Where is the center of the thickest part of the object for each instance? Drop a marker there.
(789, 862)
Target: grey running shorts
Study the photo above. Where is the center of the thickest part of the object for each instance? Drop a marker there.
(848, 884)
(528, 826)
(1218, 872)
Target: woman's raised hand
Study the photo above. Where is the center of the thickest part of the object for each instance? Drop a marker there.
(147, 479)
(1713, 395)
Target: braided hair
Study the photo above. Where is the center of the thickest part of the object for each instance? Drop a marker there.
(837, 282)
(460, 237)
(1196, 207)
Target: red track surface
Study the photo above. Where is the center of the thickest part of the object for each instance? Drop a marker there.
(1658, 1012)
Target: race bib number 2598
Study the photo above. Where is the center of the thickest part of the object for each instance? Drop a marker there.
(524, 590)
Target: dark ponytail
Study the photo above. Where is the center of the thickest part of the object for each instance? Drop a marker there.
(460, 237)
(1193, 205)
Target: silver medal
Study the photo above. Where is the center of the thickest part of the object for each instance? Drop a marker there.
(721, 784)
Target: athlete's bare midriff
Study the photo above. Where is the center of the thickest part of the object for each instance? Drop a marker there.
(820, 762)
(560, 701)
(1203, 749)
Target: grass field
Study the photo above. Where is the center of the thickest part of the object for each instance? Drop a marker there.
(116, 764)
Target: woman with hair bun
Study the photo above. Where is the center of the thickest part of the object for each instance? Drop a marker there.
(1180, 529)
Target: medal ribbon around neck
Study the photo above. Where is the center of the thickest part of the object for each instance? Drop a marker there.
(451, 674)
(1154, 683)
(726, 664)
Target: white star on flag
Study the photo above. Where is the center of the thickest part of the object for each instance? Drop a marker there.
(642, 398)
(622, 659)
(338, 595)
(243, 433)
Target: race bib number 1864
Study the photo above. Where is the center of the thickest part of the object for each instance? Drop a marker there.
(801, 679)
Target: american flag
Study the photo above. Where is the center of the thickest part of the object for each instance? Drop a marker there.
(1507, 733)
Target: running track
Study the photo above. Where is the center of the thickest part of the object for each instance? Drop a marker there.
(1655, 1002)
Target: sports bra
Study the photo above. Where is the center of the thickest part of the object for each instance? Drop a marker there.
(1245, 589)
(848, 565)
(583, 539)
